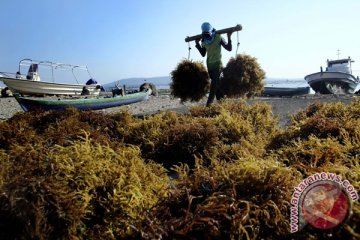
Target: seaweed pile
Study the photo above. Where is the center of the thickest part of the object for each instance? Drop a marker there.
(88, 175)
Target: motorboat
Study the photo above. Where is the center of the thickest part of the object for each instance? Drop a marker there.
(336, 79)
(32, 84)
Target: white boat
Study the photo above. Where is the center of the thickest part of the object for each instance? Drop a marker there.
(336, 79)
(31, 84)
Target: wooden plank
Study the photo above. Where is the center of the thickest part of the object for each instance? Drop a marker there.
(221, 31)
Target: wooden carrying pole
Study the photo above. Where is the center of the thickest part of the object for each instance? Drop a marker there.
(225, 30)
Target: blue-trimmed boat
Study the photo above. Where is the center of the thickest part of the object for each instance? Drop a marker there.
(81, 103)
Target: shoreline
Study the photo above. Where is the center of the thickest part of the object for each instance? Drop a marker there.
(281, 106)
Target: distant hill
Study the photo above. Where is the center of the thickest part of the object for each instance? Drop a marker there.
(159, 82)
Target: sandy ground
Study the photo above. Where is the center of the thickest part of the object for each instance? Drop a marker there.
(282, 107)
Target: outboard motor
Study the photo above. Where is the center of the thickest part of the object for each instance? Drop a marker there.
(150, 86)
(33, 73)
(85, 91)
(18, 75)
(118, 91)
(92, 81)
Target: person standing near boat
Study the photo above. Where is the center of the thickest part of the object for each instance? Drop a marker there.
(211, 45)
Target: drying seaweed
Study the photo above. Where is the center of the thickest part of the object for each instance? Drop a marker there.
(325, 138)
(61, 127)
(71, 191)
(190, 81)
(323, 121)
(247, 128)
(242, 77)
(245, 199)
(148, 133)
(169, 138)
(184, 142)
(87, 175)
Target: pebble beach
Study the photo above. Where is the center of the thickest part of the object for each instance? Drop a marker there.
(281, 107)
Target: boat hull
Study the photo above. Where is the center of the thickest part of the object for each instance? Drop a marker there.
(36, 88)
(332, 82)
(288, 92)
(87, 103)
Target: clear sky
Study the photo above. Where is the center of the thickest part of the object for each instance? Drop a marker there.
(145, 38)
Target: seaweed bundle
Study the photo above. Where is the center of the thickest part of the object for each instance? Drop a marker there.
(242, 77)
(190, 81)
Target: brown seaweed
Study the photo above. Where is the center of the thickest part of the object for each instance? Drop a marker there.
(65, 192)
(190, 81)
(242, 77)
(89, 175)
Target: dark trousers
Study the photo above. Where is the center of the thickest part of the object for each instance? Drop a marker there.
(214, 74)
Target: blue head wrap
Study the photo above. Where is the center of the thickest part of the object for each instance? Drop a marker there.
(208, 33)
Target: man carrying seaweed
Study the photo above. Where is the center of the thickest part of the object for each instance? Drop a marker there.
(211, 45)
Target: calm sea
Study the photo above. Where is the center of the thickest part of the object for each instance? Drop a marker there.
(295, 82)
(273, 82)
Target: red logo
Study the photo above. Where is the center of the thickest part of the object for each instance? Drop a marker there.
(325, 205)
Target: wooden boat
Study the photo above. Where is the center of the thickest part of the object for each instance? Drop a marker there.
(285, 91)
(81, 103)
(31, 84)
(336, 79)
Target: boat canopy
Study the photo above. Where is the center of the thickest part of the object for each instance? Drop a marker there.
(51, 65)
